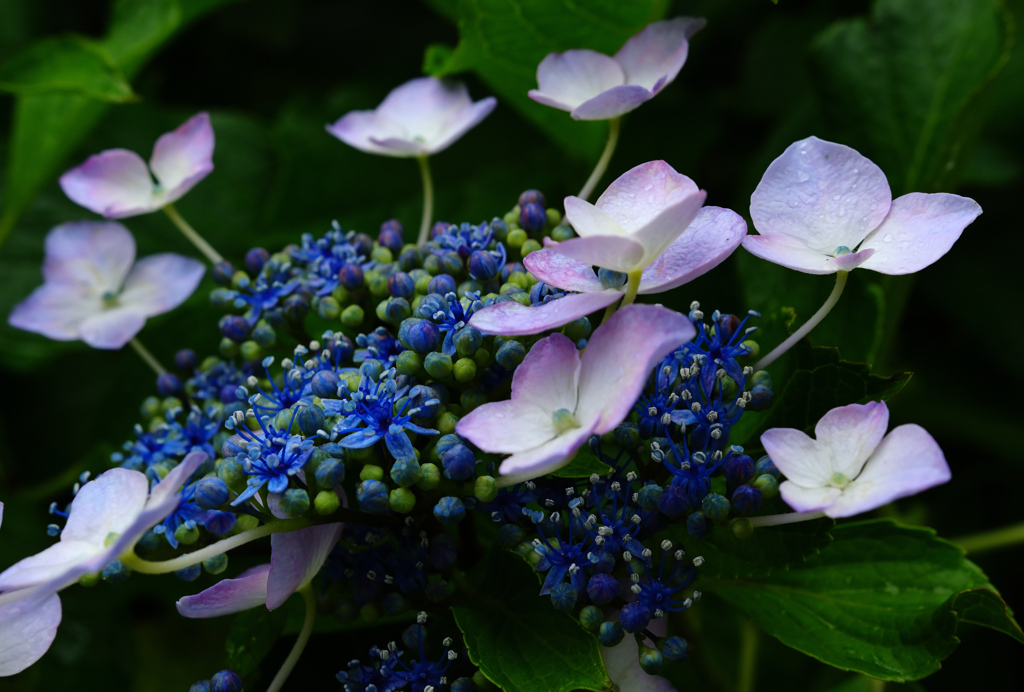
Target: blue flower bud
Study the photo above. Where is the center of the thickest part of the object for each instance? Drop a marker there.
(394, 604)
(220, 523)
(634, 617)
(390, 235)
(675, 649)
(738, 469)
(115, 572)
(673, 501)
(765, 465)
(482, 265)
(531, 197)
(294, 502)
(443, 555)
(222, 273)
(467, 340)
(186, 360)
(234, 327)
(310, 419)
(610, 633)
(410, 259)
(190, 573)
(647, 496)
(226, 681)
(760, 398)
(532, 218)
(510, 355)
(325, 384)
(396, 310)
(464, 685)
(201, 686)
(405, 471)
(168, 384)
(611, 279)
(697, 525)
(715, 507)
(363, 244)
(510, 535)
(651, 660)
(401, 285)
(419, 335)
(563, 597)
(351, 276)
(626, 435)
(602, 588)
(372, 497)
(296, 307)
(591, 618)
(211, 493)
(255, 259)
(746, 500)
(449, 511)
(442, 284)
(459, 463)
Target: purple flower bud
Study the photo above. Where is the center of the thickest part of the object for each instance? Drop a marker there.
(675, 649)
(532, 218)
(401, 285)
(459, 463)
(602, 588)
(563, 597)
(746, 500)
(390, 236)
(510, 268)
(482, 265)
(311, 419)
(419, 335)
(697, 525)
(220, 523)
(168, 384)
(325, 384)
(372, 497)
(610, 633)
(351, 276)
(738, 469)
(439, 228)
(634, 617)
(211, 493)
(226, 681)
(363, 244)
(234, 327)
(449, 511)
(223, 272)
(442, 284)
(186, 360)
(296, 308)
(673, 500)
(255, 259)
(531, 197)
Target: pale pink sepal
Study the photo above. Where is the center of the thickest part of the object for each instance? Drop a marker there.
(707, 242)
(560, 271)
(786, 252)
(613, 252)
(183, 157)
(160, 283)
(570, 79)
(619, 357)
(296, 557)
(653, 58)
(27, 629)
(547, 457)
(514, 319)
(919, 229)
(227, 596)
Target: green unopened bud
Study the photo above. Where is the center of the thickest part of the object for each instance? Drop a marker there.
(352, 316)
(361, 453)
(170, 403)
(151, 407)
(250, 351)
(326, 502)
(471, 398)
(423, 284)
(521, 279)
(554, 217)
(409, 363)
(715, 507)
(264, 335)
(231, 472)
(563, 420)
(187, 533)
(529, 246)
(328, 308)
(342, 295)
(89, 580)
(485, 489)
(516, 238)
(482, 358)
(446, 423)
(754, 348)
(369, 613)
(402, 500)
(577, 329)
(465, 370)
(562, 232)
(742, 528)
(761, 377)
(351, 380)
(438, 365)
(651, 660)
(467, 340)
(371, 472)
(294, 502)
(382, 255)
(511, 218)
(396, 310)
(377, 283)
(227, 348)
(430, 476)
(216, 564)
(768, 485)
(245, 522)
(591, 618)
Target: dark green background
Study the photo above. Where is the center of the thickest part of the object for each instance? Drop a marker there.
(273, 73)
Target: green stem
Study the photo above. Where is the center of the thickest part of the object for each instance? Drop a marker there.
(632, 286)
(428, 200)
(991, 540)
(136, 563)
(602, 163)
(300, 644)
(749, 644)
(817, 317)
(145, 355)
(787, 518)
(190, 233)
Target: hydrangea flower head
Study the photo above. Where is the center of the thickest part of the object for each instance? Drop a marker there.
(559, 398)
(117, 183)
(594, 86)
(821, 208)
(419, 118)
(852, 466)
(92, 290)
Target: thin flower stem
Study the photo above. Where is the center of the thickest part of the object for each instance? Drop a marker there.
(602, 163)
(300, 644)
(817, 317)
(991, 540)
(428, 200)
(749, 644)
(632, 286)
(788, 518)
(190, 233)
(137, 564)
(145, 355)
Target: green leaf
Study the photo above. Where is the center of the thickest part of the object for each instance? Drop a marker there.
(252, 635)
(503, 41)
(821, 381)
(518, 640)
(70, 64)
(880, 600)
(986, 608)
(583, 465)
(908, 85)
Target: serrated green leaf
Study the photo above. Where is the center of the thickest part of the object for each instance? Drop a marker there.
(879, 600)
(518, 640)
(71, 64)
(821, 381)
(503, 41)
(907, 85)
(985, 607)
(252, 635)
